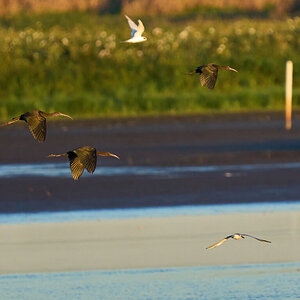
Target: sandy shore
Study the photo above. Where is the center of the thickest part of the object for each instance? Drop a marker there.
(148, 243)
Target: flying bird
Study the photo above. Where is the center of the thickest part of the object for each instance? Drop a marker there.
(236, 236)
(209, 74)
(136, 31)
(36, 121)
(83, 158)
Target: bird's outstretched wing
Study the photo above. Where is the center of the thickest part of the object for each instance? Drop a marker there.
(219, 243)
(132, 25)
(140, 29)
(87, 157)
(209, 76)
(37, 126)
(261, 240)
(75, 165)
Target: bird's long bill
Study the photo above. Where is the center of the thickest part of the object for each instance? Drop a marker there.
(232, 69)
(56, 155)
(9, 122)
(191, 73)
(64, 115)
(108, 154)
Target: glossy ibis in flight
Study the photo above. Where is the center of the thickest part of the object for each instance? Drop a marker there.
(36, 121)
(209, 74)
(83, 158)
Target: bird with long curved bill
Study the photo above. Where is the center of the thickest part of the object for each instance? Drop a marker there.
(83, 158)
(36, 121)
(209, 74)
(236, 236)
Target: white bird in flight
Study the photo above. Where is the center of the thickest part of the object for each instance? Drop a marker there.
(136, 31)
(235, 236)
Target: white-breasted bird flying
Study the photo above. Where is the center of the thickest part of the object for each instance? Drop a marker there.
(136, 31)
(235, 236)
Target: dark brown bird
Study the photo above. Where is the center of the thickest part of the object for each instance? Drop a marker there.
(209, 74)
(236, 236)
(36, 120)
(83, 158)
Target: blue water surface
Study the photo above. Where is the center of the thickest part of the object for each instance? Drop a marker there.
(267, 281)
(129, 213)
(63, 169)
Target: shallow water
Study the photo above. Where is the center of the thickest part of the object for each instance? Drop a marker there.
(63, 170)
(267, 281)
(150, 212)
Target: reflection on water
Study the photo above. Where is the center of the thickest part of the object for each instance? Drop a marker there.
(267, 281)
(63, 170)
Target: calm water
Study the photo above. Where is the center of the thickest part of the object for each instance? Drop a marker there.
(129, 213)
(63, 170)
(268, 281)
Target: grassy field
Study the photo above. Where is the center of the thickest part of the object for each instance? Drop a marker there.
(74, 63)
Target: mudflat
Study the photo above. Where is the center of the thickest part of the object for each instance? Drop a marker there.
(196, 140)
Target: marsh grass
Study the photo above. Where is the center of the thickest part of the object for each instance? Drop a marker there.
(74, 62)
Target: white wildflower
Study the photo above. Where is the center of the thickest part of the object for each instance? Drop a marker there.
(157, 31)
(98, 43)
(112, 37)
(35, 35)
(221, 48)
(85, 47)
(103, 34)
(224, 40)
(183, 34)
(252, 31)
(22, 34)
(211, 30)
(103, 53)
(112, 45)
(43, 43)
(65, 41)
(28, 39)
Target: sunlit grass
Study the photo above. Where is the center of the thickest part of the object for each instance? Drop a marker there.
(75, 63)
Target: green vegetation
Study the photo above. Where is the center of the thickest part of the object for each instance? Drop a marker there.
(74, 63)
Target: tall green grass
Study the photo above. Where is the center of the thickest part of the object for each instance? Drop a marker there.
(75, 63)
